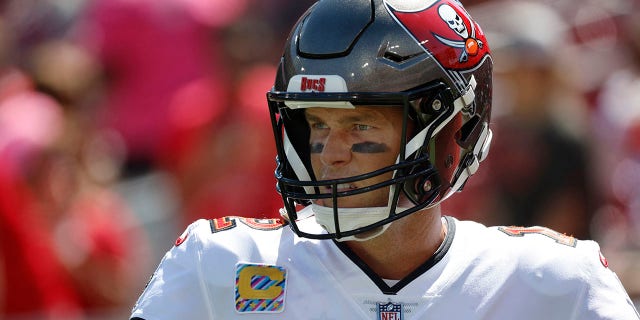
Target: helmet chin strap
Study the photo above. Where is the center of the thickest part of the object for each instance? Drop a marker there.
(351, 219)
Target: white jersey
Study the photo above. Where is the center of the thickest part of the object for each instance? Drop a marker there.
(238, 268)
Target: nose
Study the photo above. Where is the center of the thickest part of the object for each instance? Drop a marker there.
(337, 149)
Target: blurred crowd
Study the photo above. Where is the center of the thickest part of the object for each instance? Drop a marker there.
(122, 121)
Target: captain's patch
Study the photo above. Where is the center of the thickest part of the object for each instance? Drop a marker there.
(260, 288)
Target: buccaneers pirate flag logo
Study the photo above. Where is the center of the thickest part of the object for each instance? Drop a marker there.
(457, 42)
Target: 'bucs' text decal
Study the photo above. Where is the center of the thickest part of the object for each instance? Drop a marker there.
(310, 84)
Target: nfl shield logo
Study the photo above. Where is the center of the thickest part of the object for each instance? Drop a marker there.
(389, 311)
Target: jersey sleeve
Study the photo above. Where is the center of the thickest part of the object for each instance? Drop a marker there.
(175, 289)
(570, 274)
(605, 296)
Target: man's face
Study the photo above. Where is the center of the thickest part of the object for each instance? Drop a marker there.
(350, 142)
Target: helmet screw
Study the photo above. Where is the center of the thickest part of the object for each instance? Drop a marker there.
(427, 186)
(436, 105)
(449, 162)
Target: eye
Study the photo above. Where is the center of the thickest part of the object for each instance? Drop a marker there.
(318, 125)
(362, 127)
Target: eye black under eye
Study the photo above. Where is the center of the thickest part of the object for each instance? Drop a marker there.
(362, 147)
(369, 147)
(316, 147)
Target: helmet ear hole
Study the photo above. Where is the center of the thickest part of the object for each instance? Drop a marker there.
(469, 132)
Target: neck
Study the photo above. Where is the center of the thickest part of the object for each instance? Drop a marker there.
(404, 246)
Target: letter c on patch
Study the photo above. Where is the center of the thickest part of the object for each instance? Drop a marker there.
(257, 282)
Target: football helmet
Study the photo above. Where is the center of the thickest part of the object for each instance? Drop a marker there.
(428, 57)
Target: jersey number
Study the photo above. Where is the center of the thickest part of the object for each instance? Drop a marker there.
(226, 223)
(557, 236)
